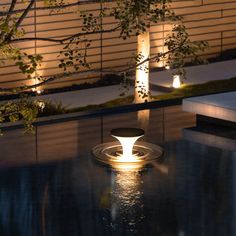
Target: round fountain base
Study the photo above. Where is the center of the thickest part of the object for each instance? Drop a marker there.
(111, 154)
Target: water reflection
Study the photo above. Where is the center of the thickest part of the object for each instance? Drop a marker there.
(126, 199)
(191, 193)
(143, 118)
(204, 189)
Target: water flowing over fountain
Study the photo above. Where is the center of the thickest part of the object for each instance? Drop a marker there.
(128, 153)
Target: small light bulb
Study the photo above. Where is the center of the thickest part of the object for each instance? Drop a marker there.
(167, 67)
(38, 91)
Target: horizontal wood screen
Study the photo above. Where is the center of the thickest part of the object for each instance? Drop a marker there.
(211, 20)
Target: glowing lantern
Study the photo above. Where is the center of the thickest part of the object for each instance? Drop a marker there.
(176, 81)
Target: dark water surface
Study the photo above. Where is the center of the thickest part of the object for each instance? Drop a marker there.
(192, 192)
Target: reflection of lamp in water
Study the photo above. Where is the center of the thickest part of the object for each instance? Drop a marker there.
(127, 200)
(143, 118)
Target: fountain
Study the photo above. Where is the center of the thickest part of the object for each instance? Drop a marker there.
(127, 157)
(128, 153)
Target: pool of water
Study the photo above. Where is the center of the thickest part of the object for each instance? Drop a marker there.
(190, 191)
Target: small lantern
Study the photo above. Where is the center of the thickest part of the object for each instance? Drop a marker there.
(176, 81)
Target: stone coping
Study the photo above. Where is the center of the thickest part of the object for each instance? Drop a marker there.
(221, 106)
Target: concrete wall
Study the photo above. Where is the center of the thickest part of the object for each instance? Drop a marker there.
(211, 20)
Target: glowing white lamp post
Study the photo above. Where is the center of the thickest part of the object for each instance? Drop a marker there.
(176, 81)
(127, 138)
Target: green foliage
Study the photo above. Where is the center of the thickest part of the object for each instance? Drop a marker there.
(131, 17)
(28, 63)
(53, 3)
(182, 49)
(135, 16)
(125, 83)
(51, 108)
(74, 55)
(23, 109)
(90, 22)
(27, 109)
(142, 91)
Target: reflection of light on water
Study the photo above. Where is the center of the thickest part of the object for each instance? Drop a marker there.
(127, 159)
(161, 168)
(143, 118)
(127, 206)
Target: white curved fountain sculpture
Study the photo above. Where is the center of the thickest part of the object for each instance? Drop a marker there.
(128, 153)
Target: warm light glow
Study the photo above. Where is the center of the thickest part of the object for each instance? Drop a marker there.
(167, 67)
(36, 80)
(176, 81)
(41, 104)
(36, 90)
(127, 155)
(142, 71)
(127, 144)
(143, 118)
(126, 198)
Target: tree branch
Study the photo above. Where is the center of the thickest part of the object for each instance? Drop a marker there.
(51, 79)
(64, 39)
(24, 13)
(17, 24)
(13, 3)
(159, 55)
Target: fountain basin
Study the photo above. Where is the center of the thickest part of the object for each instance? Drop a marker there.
(127, 153)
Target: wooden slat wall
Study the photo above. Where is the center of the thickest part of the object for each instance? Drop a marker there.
(211, 20)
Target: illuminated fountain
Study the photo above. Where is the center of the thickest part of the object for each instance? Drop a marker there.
(127, 157)
(128, 153)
